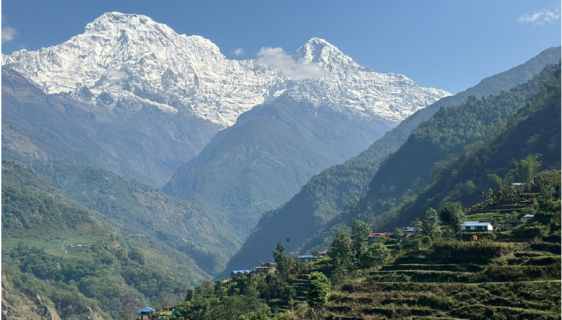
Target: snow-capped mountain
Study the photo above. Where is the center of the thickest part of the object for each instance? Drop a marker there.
(129, 60)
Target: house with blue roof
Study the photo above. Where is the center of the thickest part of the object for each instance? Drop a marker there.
(145, 313)
(307, 257)
(472, 226)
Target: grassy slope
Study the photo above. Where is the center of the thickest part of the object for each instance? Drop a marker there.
(454, 281)
(116, 270)
(175, 222)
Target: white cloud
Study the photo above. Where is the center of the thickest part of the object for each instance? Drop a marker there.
(8, 34)
(286, 66)
(237, 52)
(116, 74)
(542, 16)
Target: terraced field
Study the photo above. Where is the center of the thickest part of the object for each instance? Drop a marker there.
(500, 281)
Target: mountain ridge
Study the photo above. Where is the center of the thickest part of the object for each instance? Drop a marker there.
(132, 59)
(326, 196)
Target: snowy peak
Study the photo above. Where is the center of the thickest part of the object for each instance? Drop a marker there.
(328, 56)
(117, 20)
(124, 27)
(131, 61)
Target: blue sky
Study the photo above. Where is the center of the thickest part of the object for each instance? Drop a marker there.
(444, 44)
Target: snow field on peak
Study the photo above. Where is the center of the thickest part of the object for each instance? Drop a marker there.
(130, 57)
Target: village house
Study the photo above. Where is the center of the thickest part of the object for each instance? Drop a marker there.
(145, 313)
(266, 267)
(508, 225)
(324, 253)
(527, 217)
(376, 237)
(473, 226)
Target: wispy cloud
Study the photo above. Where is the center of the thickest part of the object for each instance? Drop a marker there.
(237, 52)
(116, 74)
(542, 16)
(8, 34)
(286, 66)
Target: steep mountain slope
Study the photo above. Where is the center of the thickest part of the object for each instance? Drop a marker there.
(175, 222)
(534, 130)
(56, 250)
(311, 212)
(443, 136)
(145, 99)
(266, 156)
(142, 145)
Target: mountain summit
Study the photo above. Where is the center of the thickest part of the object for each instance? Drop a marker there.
(130, 60)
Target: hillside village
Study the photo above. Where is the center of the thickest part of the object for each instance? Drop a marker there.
(500, 257)
(151, 174)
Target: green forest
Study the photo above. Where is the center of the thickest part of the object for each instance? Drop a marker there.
(314, 214)
(438, 270)
(453, 213)
(428, 273)
(73, 256)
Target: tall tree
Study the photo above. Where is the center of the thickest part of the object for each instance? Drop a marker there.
(341, 249)
(377, 255)
(359, 232)
(528, 167)
(430, 225)
(398, 233)
(283, 261)
(314, 252)
(452, 214)
(318, 293)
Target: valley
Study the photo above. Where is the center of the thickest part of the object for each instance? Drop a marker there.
(150, 174)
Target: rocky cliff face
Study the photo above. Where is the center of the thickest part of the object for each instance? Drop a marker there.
(21, 304)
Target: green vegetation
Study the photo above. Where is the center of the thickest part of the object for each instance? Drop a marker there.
(453, 216)
(74, 258)
(506, 275)
(437, 143)
(501, 275)
(128, 203)
(318, 293)
(265, 158)
(315, 214)
(505, 278)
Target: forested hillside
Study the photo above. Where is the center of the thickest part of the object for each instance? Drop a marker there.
(443, 137)
(129, 203)
(534, 130)
(437, 269)
(265, 158)
(432, 272)
(75, 260)
(313, 210)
